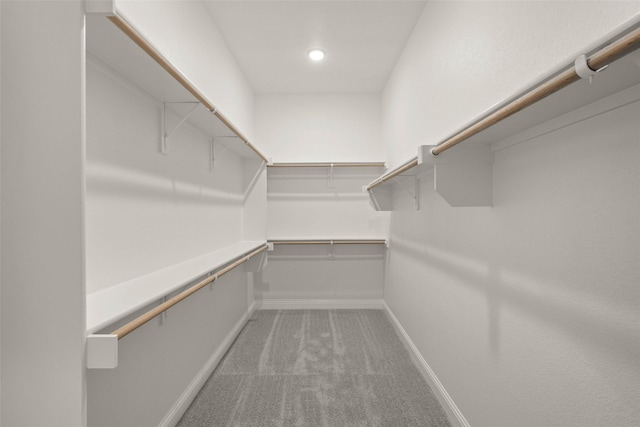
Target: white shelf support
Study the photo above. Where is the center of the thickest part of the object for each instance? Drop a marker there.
(415, 195)
(380, 198)
(214, 142)
(163, 316)
(464, 176)
(330, 181)
(102, 351)
(257, 263)
(212, 155)
(164, 145)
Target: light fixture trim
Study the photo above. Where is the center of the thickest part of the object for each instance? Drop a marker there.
(316, 54)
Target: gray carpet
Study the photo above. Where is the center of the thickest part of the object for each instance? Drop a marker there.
(316, 368)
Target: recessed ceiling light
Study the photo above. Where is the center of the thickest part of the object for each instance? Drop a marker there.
(316, 54)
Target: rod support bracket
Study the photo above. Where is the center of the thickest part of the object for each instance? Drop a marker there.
(583, 70)
(330, 179)
(102, 351)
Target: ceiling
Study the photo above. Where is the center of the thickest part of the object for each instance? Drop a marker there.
(270, 40)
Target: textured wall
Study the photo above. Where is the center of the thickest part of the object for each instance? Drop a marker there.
(524, 311)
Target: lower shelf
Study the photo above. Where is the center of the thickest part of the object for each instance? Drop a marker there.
(112, 304)
(312, 241)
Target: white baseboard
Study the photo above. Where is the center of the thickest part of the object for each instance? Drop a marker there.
(455, 416)
(182, 404)
(327, 304)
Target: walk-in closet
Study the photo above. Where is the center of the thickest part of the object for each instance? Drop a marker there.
(319, 213)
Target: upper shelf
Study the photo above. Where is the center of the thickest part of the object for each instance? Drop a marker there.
(328, 165)
(463, 174)
(618, 76)
(115, 42)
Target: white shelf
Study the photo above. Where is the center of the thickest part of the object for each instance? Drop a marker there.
(112, 304)
(326, 241)
(112, 47)
(619, 75)
(463, 175)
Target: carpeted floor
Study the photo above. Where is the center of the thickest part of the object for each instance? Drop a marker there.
(316, 368)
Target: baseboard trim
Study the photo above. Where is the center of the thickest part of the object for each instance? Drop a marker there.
(182, 404)
(317, 304)
(455, 416)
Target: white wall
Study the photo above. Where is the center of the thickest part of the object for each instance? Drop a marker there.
(185, 34)
(307, 204)
(42, 214)
(311, 275)
(320, 128)
(303, 205)
(159, 363)
(465, 56)
(144, 212)
(524, 311)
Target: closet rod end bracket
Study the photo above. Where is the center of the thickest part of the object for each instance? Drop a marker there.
(583, 70)
(102, 351)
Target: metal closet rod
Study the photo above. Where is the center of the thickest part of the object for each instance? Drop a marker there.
(603, 57)
(138, 39)
(141, 320)
(328, 165)
(330, 242)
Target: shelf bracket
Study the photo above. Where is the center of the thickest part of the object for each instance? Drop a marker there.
(256, 263)
(164, 146)
(330, 181)
(414, 195)
(213, 146)
(331, 254)
(163, 316)
(373, 200)
(212, 156)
